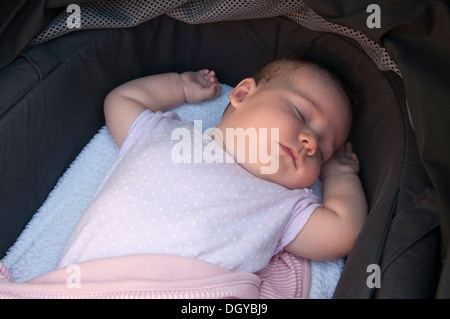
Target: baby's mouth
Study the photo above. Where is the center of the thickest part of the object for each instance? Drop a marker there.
(290, 153)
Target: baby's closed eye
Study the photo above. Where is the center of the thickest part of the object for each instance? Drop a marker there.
(297, 113)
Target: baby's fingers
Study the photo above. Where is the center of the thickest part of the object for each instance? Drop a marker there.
(348, 149)
(349, 152)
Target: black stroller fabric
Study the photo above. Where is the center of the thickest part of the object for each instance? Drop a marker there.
(51, 98)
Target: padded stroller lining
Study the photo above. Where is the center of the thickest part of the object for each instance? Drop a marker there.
(88, 64)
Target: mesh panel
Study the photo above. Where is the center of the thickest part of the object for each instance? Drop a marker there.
(219, 10)
(311, 20)
(120, 14)
(107, 14)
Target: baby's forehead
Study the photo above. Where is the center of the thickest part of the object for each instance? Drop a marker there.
(315, 73)
(295, 71)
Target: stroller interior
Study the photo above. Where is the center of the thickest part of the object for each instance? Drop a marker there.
(58, 61)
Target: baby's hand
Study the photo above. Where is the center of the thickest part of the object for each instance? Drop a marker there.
(200, 86)
(343, 161)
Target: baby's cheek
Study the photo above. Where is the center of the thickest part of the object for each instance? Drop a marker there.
(314, 172)
(308, 175)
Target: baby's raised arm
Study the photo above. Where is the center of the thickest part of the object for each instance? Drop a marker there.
(159, 92)
(332, 229)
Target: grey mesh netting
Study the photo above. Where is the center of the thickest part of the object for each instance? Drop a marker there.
(120, 14)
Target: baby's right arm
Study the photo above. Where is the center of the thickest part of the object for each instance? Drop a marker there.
(332, 229)
(159, 92)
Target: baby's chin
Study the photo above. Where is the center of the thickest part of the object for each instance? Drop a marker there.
(290, 181)
(296, 185)
(285, 177)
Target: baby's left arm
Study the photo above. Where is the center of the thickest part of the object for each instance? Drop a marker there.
(160, 92)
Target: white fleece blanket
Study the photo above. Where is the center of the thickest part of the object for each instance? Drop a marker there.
(38, 248)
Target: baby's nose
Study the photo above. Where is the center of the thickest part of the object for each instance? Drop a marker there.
(309, 143)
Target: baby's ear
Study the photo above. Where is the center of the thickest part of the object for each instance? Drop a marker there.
(241, 91)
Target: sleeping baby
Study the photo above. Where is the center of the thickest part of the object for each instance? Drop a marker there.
(245, 196)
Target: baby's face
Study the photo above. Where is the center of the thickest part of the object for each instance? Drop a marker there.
(312, 117)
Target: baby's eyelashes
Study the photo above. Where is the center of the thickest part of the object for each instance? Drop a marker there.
(297, 113)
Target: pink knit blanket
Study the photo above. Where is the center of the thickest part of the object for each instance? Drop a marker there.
(163, 276)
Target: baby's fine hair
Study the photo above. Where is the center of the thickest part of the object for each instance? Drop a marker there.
(289, 67)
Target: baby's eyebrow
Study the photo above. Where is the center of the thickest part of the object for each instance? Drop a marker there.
(301, 98)
(311, 103)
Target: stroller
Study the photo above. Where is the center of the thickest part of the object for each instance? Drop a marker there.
(59, 60)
